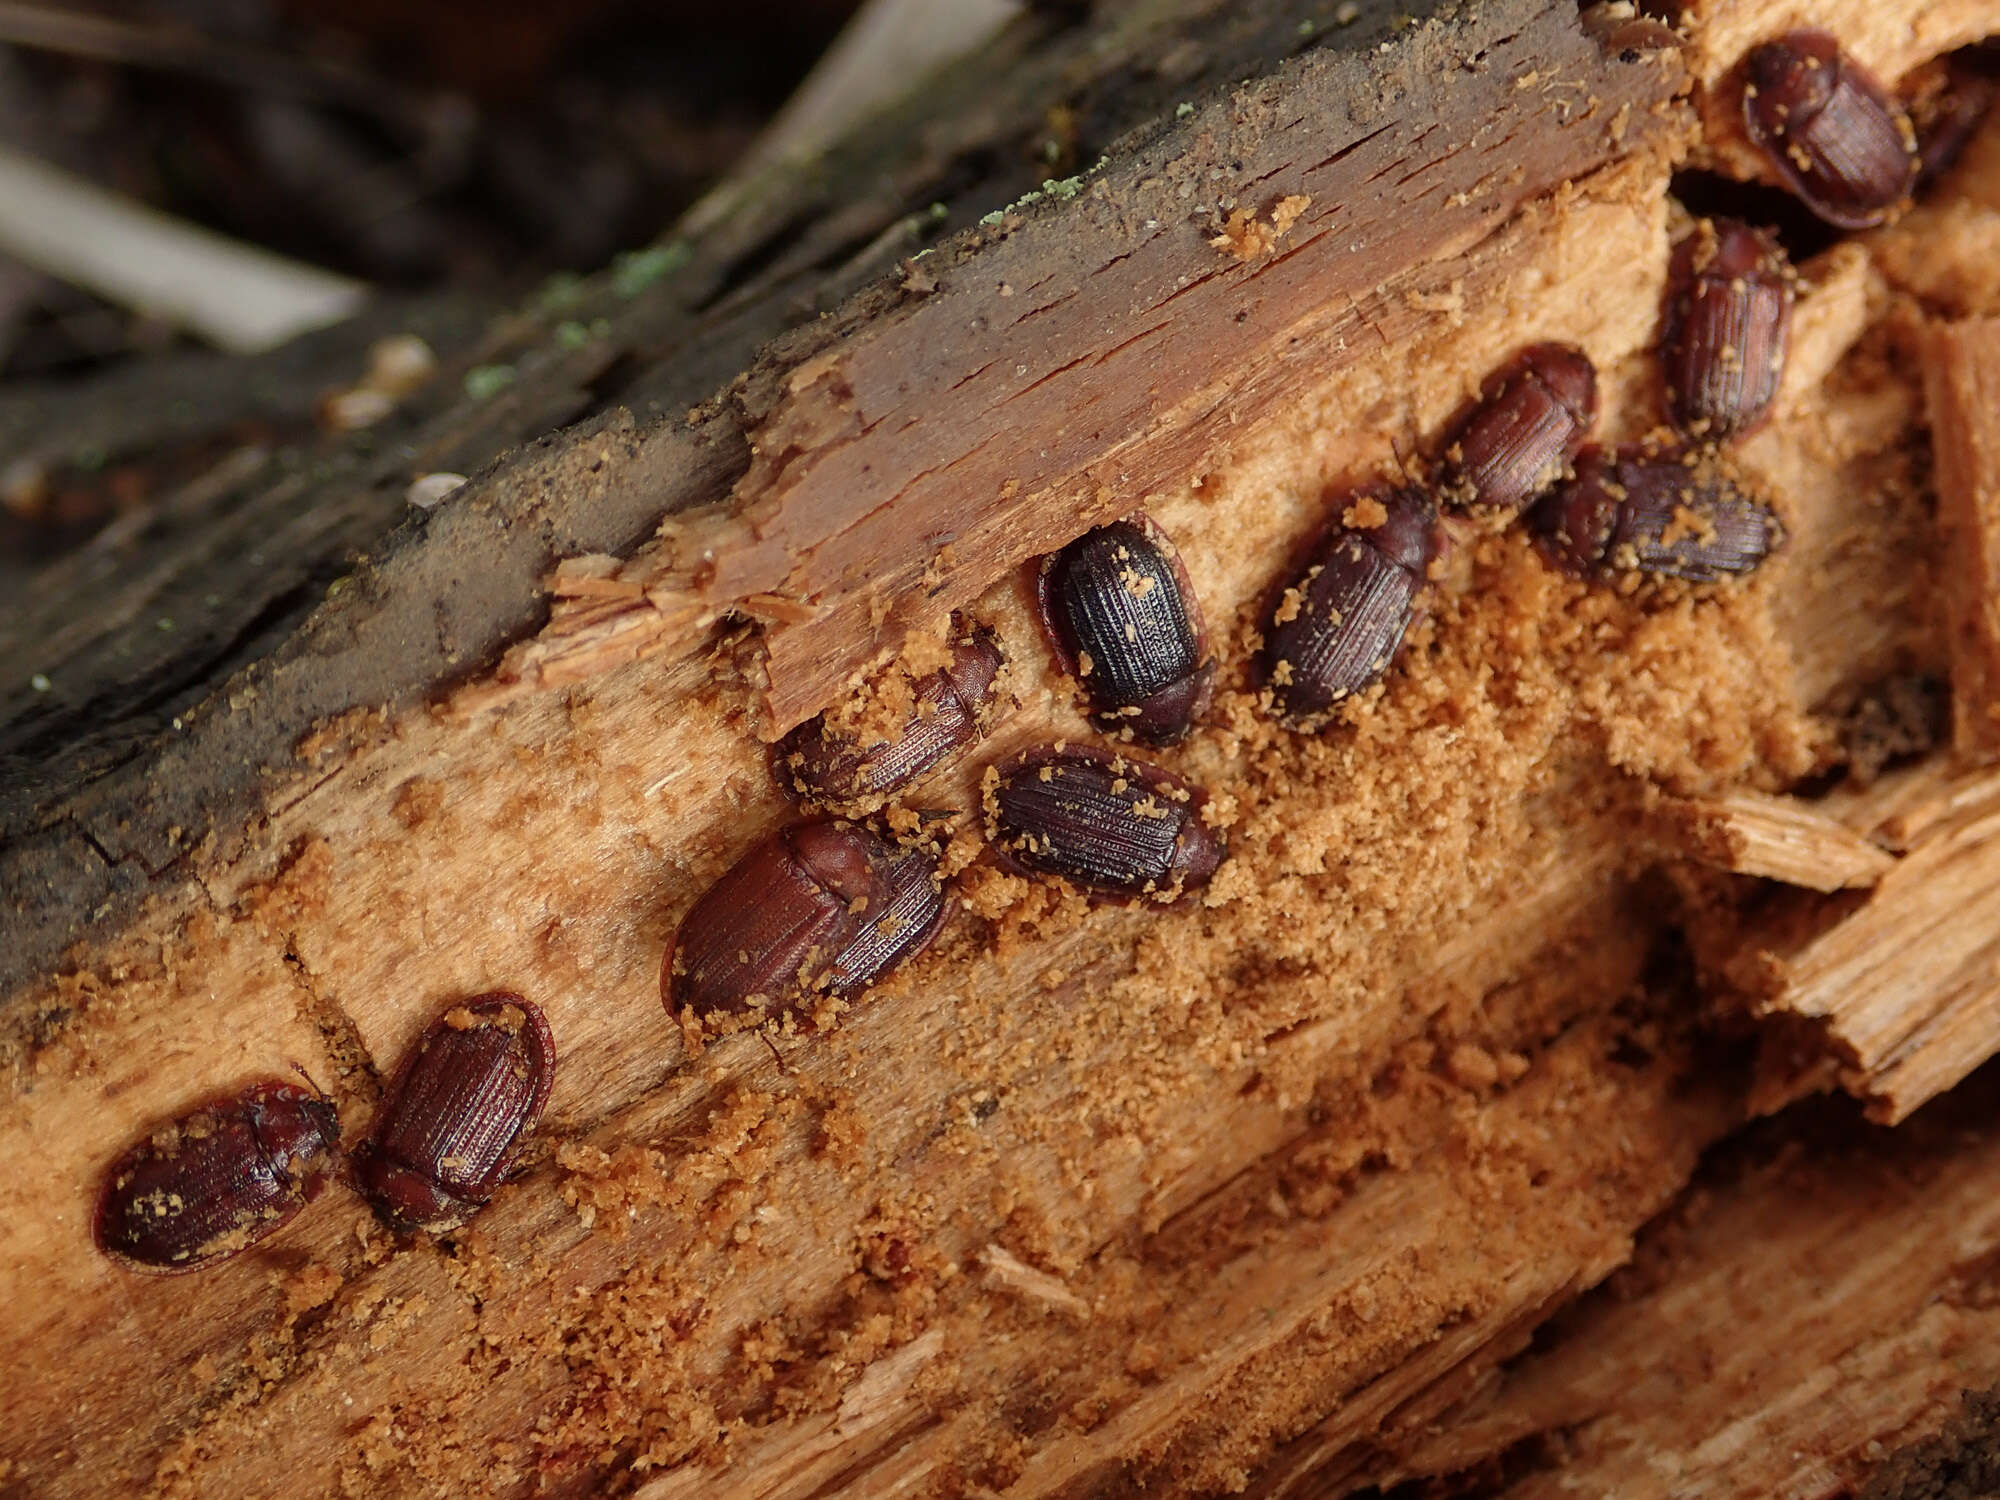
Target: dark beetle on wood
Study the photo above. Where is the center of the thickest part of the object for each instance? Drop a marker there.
(824, 907)
(216, 1181)
(1729, 311)
(1108, 824)
(1337, 628)
(1119, 610)
(1640, 514)
(1831, 131)
(458, 1111)
(1531, 419)
(1946, 121)
(825, 767)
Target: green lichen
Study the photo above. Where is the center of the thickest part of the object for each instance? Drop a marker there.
(482, 382)
(635, 270)
(561, 292)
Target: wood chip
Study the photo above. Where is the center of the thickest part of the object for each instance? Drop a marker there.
(1023, 1280)
(1962, 388)
(1904, 987)
(1779, 838)
(880, 1407)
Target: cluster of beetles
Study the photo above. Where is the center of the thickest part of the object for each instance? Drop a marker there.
(830, 905)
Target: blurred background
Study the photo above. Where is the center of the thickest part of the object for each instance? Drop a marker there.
(482, 142)
(473, 145)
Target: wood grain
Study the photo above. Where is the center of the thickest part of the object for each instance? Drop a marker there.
(1962, 393)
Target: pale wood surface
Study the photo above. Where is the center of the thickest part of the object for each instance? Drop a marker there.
(1776, 1329)
(1904, 987)
(1962, 393)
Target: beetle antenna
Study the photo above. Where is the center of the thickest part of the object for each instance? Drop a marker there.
(318, 1092)
(1402, 461)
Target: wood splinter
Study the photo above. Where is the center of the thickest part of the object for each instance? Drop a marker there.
(1961, 363)
(1778, 838)
(1905, 987)
(1011, 1274)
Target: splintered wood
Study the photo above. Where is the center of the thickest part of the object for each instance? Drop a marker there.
(1778, 838)
(1905, 988)
(1962, 389)
(1727, 1361)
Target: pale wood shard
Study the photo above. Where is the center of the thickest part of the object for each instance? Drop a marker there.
(1039, 1287)
(1962, 390)
(1905, 988)
(1777, 1330)
(1778, 838)
(881, 1409)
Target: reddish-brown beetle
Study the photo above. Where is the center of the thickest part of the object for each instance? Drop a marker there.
(214, 1182)
(1673, 515)
(820, 907)
(1946, 119)
(458, 1111)
(1533, 416)
(828, 768)
(1829, 128)
(1729, 312)
(1341, 623)
(1108, 824)
(1117, 607)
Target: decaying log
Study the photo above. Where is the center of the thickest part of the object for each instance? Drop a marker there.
(1088, 1199)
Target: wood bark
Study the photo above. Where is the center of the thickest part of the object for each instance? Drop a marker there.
(1274, 1191)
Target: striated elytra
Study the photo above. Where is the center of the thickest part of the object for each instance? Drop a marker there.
(1532, 418)
(1108, 824)
(823, 907)
(1117, 607)
(457, 1113)
(1340, 624)
(216, 1181)
(1729, 313)
(825, 767)
(1831, 131)
(1667, 515)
